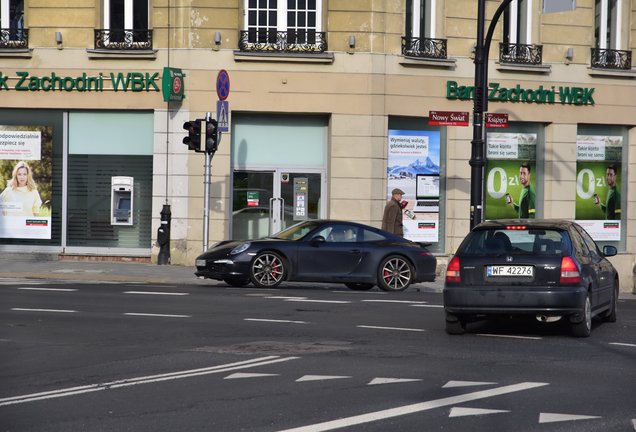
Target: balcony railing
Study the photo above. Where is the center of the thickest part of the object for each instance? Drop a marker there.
(291, 41)
(611, 59)
(14, 38)
(520, 54)
(108, 39)
(426, 47)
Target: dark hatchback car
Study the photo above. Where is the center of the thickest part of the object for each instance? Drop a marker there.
(551, 269)
(357, 255)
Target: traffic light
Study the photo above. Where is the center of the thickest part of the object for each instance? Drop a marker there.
(193, 140)
(211, 136)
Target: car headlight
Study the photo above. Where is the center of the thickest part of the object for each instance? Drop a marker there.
(240, 248)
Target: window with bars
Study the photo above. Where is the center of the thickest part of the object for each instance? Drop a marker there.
(607, 52)
(12, 31)
(125, 25)
(420, 30)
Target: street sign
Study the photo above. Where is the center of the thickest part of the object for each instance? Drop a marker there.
(223, 84)
(495, 120)
(172, 86)
(448, 118)
(222, 115)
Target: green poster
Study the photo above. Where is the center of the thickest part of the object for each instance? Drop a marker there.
(598, 186)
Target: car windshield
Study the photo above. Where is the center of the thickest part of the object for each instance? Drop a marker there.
(296, 232)
(515, 240)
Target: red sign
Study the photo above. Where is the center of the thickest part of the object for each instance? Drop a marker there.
(223, 84)
(496, 120)
(448, 118)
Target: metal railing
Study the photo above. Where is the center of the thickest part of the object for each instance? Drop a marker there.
(14, 38)
(121, 39)
(424, 47)
(520, 54)
(291, 41)
(611, 59)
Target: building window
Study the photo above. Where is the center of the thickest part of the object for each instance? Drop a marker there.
(13, 34)
(125, 25)
(516, 45)
(607, 51)
(283, 25)
(419, 39)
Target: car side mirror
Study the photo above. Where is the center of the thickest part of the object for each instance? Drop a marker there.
(315, 241)
(609, 251)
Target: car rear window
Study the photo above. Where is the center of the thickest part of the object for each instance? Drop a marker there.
(516, 241)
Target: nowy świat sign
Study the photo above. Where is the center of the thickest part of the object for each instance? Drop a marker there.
(540, 95)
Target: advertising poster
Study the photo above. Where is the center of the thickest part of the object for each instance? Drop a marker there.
(598, 185)
(25, 181)
(413, 165)
(510, 176)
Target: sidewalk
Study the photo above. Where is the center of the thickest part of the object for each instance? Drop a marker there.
(47, 266)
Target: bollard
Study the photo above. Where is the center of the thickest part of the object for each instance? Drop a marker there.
(163, 236)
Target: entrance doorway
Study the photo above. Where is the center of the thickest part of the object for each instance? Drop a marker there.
(267, 201)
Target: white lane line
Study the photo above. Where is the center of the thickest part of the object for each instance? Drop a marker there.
(414, 408)
(451, 384)
(360, 292)
(275, 321)
(509, 336)
(156, 293)
(319, 301)
(320, 377)
(285, 297)
(552, 417)
(376, 381)
(622, 344)
(261, 361)
(47, 289)
(461, 412)
(427, 305)
(156, 315)
(43, 310)
(396, 301)
(241, 375)
(391, 328)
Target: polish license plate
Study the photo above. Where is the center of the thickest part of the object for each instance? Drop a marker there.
(509, 270)
(200, 263)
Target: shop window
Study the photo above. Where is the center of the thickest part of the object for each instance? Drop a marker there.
(12, 32)
(283, 26)
(125, 26)
(607, 52)
(419, 37)
(516, 45)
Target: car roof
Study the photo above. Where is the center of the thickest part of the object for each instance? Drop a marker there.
(561, 224)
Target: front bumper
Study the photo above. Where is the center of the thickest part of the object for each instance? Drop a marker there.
(222, 268)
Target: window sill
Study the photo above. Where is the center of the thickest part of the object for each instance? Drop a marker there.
(428, 62)
(17, 53)
(538, 69)
(121, 54)
(612, 73)
(326, 58)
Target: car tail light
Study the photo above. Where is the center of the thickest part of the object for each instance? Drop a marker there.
(452, 271)
(516, 227)
(569, 271)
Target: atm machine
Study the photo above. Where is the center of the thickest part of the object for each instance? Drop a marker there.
(121, 207)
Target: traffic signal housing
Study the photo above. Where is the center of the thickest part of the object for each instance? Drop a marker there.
(211, 136)
(194, 128)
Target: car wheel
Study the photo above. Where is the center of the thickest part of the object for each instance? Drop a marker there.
(395, 274)
(268, 270)
(610, 315)
(359, 286)
(455, 325)
(236, 282)
(584, 328)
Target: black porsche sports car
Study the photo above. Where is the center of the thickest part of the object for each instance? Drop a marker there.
(357, 255)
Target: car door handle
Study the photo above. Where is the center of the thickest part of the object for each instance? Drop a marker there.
(355, 251)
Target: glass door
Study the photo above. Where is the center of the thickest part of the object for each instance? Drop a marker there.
(265, 202)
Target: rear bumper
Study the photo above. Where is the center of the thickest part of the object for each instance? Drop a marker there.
(514, 300)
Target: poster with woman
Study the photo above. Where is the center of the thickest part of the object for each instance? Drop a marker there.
(413, 166)
(25, 181)
(510, 176)
(598, 185)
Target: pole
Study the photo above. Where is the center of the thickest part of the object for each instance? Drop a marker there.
(206, 195)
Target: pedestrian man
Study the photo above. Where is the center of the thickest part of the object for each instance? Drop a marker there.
(392, 218)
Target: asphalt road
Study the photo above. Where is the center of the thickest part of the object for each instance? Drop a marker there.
(142, 357)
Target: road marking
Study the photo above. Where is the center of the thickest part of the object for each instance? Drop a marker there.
(391, 328)
(43, 310)
(239, 375)
(283, 297)
(156, 315)
(376, 381)
(275, 321)
(156, 293)
(144, 380)
(319, 301)
(509, 336)
(418, 303)
(414, 408)
(359, 292)
(320, 377)
(47, 289)
(622, 344)
(461, 412)
(428, 305)
(634, 423)
(552, 418)
(452, 384)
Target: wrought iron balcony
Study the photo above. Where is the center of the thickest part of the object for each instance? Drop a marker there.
(291, 41)
(14, 38)
(424, 47)
(520, 54)
(108, 39)
(611, 59)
